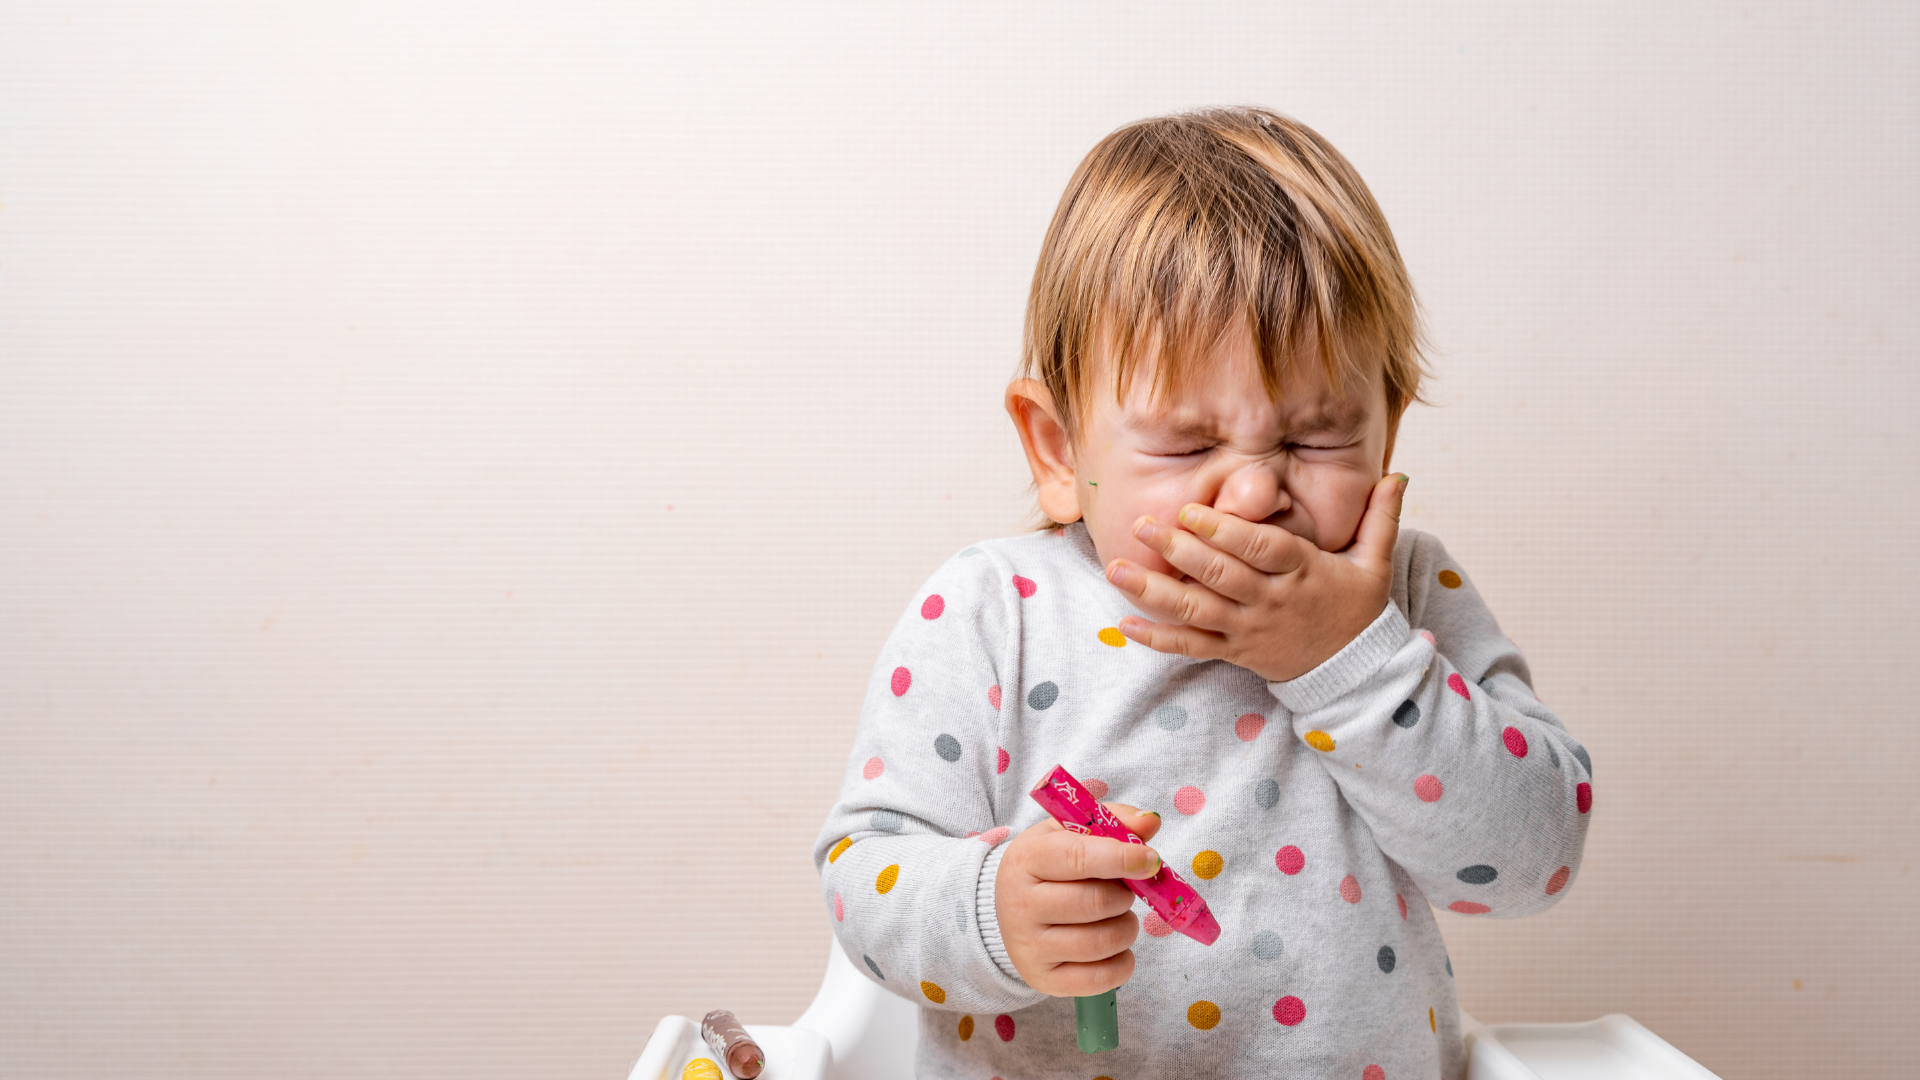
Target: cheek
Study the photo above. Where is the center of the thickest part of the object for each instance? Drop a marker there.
(1335, 501)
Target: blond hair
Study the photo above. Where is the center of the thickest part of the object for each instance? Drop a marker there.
(1176, 228)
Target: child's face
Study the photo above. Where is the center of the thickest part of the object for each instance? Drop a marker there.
(1306, 463)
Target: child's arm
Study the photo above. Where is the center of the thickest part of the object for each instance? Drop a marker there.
(1437, 741)
(901, 858)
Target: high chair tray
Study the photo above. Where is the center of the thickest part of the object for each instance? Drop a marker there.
(1614, 1047)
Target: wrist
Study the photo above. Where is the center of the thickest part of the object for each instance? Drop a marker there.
(1349, 667)
(987, 915)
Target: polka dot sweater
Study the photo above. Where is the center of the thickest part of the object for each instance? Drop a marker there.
(1319, 818)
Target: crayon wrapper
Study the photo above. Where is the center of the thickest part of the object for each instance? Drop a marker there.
(730, 1043)
(1171, 898)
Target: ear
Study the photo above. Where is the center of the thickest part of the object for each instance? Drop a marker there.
(1049, 452)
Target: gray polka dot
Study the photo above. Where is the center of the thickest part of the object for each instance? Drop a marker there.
(1170, 717)
(1478, 874)
(947, 747)
(888, 820)
(875, 968)
(971, 552)
(1267, 793)
(1407, 715)
(1043, 696)
(1449, 967)
(1580, 753)
(1266, 944)
(960, 915)
(1385, 959)
(1552, 754)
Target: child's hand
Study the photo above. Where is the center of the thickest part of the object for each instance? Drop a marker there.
(1261, 597)
(1064, 920)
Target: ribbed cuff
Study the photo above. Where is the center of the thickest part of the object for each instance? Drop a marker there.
(1345, 670)
(988, 916)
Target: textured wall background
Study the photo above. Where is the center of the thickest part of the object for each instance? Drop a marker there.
(458, 463)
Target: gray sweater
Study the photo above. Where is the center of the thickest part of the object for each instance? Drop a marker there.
(1318, 818)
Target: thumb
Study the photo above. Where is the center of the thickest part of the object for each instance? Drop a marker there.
(1143, 822)
(1380, 526)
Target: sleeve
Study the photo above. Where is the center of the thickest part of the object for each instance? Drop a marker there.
(1436, 740)
(908, 854)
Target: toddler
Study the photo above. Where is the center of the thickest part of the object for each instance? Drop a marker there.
(1219, 619)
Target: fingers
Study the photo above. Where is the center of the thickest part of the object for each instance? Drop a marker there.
(1177, 602)
(1086, 980)
(1144, 823)
(1069, 856)
(1183, 640)
(1216, 565)
(1089, 942)
(1267, 548)
(1380, 526)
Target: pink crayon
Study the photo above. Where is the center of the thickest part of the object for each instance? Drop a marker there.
(1170, 898)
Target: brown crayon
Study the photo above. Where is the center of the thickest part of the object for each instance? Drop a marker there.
(731, 1044)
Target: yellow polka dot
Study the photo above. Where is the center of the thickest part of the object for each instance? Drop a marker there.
(1450, 579)
(1320, 741)
(966, 1028)
(1112, 636)
(887, 877)
(933, 992)
(1207, 866)
(1430, 1025)
(701, 1069)
(840, 848)
(1203, 1015)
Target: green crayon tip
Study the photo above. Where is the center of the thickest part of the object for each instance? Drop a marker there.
(1096, 1022)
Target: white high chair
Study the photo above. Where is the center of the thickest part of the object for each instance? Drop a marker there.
(854, 1030)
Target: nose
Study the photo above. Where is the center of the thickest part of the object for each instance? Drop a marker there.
(1253, 492)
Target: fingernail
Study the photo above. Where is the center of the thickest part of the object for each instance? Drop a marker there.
(1400, 486)
(1155, 813)
(1118, 573)
(1148, 530)
(1187, 515)
(1156, 861)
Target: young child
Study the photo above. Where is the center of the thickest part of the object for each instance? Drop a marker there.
(1219, 619)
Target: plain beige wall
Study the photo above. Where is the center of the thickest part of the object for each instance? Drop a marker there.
(458, 463)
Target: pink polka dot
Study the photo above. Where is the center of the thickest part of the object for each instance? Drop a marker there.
(1402, 901)
(1003, 1026)
(1025, 586)
(1290, 860)
(1289, 1010)
(1458, 685)
(1373, 1072)
(902, 678)
(1001, 760)
(1516, 741)
(1429, 789)
(1155, 926)
(933, 607)
(839, 911)
(1096, 786)
(1189, 800)
(1429, 636)
(1468, 907)
(1350, 889)
(1249, 726)
(873, 768)
(1583, 796)
(995, 835)
(993, 695)
(1559, 880)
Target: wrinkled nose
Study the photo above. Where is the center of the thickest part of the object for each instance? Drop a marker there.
(1253, 492)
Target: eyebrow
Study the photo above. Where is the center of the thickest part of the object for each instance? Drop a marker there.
(1336, 417)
